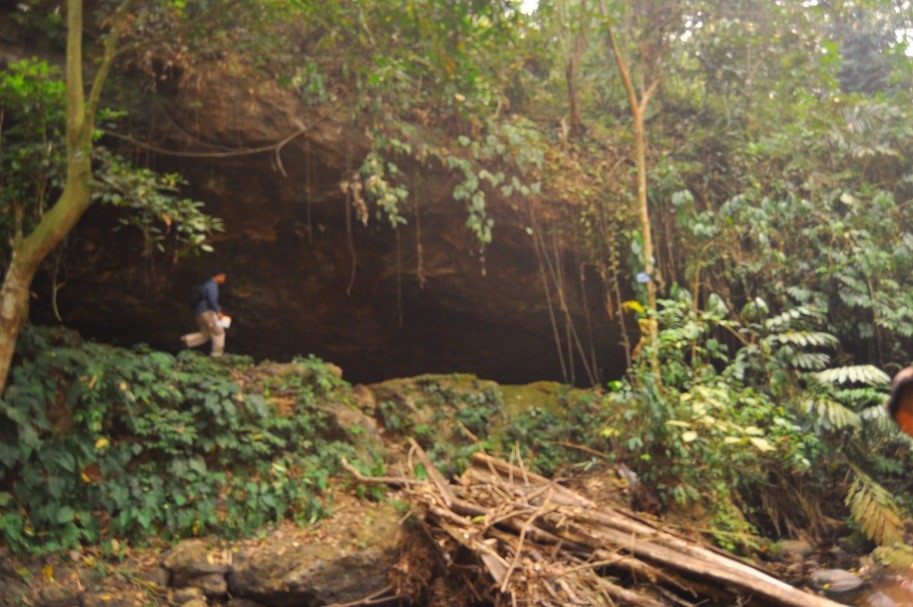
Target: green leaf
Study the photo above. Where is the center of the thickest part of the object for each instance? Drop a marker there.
(9, 454)
(761, 444)
(65, 515)
(859, 374)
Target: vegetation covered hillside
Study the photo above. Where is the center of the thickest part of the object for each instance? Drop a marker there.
(735, 174)
(104, 444)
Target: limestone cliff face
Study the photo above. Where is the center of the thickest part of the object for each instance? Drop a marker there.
(306, 277)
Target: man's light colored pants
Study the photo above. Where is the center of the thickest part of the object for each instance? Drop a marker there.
(209, 329)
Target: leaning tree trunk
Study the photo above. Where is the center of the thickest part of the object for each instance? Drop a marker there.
(28, 254)
(14, 310)
(29, 251)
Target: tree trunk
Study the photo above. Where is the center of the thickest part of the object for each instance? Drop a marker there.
(573, 47)
(638, 108)
(572, 94)
(14, 310)
(28, 252)
(640, 145)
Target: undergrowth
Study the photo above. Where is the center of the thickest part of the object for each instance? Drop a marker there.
(757, 432)
(98, 442)
(750, 420)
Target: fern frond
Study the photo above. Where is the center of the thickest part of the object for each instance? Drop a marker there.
(874, 413)
(854, 374)
(874, 510)
(886, 465)
(800, 294)
(832, 414)
(861, 397)
(806, 338)
(810, 361)
(787, 318)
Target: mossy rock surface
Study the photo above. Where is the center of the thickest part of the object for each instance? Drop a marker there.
(433, 408)
(341, 560)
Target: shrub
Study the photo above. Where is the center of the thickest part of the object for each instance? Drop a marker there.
(98, 441)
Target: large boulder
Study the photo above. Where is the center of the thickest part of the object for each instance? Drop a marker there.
(341, 560)
(194, 565)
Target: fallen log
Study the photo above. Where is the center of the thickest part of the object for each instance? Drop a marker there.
(653, 545)
(538, 542)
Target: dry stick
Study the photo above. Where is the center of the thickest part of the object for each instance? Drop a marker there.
(628, 564)
(500, 465)
(373, 599)
(619, 562)
(593, 565)
(519, 466)
(497, 566)
(630, 597)
(625, 526)
(676, 552)
(626, 519)
(569, 591)
(563, 495)
(582, 448)
(523, 532)
(378, 480)
(694, 560)
(462, 508)
(456, 526)
(620, 518)
(554, 594)
(439, 481)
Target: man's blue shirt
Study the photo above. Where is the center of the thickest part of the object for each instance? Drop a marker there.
(209, 298)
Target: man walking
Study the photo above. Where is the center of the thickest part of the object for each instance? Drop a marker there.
(209, 316)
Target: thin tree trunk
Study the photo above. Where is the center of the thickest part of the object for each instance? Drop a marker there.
(81, 109)
(573, 47)
(27, 256)
(571, 74)
(28, 252)
(14, 310)
(638, 108)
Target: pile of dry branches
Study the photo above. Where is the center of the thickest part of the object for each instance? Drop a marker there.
(534, 542)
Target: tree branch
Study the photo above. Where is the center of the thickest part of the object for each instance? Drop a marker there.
(273, 147)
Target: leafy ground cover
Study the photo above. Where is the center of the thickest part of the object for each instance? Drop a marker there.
(105, 448)
(102, 442)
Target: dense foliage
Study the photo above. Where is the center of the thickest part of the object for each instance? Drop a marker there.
(100, 442)
(780, 139)
(32, 162)
(760, 427)
(777, 170)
